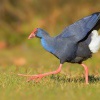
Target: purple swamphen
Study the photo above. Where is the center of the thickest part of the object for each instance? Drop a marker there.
(75, 44)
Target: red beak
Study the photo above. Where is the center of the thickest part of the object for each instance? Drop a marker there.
(33, 34)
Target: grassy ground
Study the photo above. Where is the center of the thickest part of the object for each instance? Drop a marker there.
(68, 85)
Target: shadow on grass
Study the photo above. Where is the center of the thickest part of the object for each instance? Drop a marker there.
(59, 78)
(93, 78)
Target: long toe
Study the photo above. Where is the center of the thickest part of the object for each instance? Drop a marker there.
(24, 75)
(36, 78)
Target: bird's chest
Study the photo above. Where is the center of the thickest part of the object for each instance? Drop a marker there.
(48, 45)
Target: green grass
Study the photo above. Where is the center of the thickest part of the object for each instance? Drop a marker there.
(52, 87)
(67, 85)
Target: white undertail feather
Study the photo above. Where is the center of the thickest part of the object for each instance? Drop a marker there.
(94, 45)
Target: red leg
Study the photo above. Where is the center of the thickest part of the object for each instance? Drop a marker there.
(86, 73)
(39, 76)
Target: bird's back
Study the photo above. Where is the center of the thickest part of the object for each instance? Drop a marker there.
(81, 28)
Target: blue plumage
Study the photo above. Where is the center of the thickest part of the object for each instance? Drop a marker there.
(72, 44)
(47, 46)
(80, 29)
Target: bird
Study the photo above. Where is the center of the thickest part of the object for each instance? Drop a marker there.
(75, 44)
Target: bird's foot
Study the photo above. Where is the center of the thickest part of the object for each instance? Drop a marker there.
(36, 78)
(40, 76)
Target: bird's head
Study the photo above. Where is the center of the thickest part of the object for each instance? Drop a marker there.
(37, 32)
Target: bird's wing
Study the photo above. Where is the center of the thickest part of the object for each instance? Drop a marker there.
(81, 28)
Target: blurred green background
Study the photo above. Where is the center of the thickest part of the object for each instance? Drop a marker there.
(19, 17)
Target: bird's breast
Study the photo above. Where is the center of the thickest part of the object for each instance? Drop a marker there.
(48, 45)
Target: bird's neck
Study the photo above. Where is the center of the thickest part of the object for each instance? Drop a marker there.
(48, 43)
(44, 34)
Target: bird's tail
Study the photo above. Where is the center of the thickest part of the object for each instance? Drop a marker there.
(94, 45)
